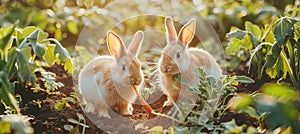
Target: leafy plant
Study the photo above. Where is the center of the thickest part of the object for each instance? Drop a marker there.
(60, 105)
(78, 123)
(21, 52)
(276, 107)
(274, 48)
(49, 83)
(213, 93)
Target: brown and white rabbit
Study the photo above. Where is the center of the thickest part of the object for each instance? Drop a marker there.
(177, 58)
(106, 81)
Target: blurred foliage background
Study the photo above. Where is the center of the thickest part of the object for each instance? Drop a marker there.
(65, 19)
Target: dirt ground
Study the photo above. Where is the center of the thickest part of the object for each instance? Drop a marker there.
(41, 106)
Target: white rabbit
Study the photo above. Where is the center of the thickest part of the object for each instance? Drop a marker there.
(106, 81)
(177, 58)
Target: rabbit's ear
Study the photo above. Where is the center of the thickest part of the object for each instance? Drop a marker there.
(187, 32)
(135, 44)
(170, 30)
(115, 45)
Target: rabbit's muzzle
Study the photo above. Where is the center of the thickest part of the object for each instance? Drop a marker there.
(135, 81)
(166, 69)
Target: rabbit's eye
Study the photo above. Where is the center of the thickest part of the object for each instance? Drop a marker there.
(178, 55)
(123, 67)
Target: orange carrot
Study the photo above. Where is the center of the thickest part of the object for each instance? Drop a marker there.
(145, 105)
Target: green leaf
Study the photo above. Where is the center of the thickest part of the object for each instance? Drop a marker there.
(49, 54)
(239, 34)
(25, 68)
(242, 79)
(272, 56)
(280, 68)
(182, 130)
(64, 56)
(235, 45)
(7, 91)
(283, 30)
(254, 29)
(5, 36)
(280, 114)
(5, 127)
(19, 123)
(10, 66)
(268, 36)
(72, 27)
(232, 127)
(38, 49)
(283, 92)
(156, 129)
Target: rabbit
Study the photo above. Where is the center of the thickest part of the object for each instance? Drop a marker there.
(106, 81)
(178, 58)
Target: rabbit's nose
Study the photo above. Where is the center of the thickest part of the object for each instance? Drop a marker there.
(167, 69)
(135, 81)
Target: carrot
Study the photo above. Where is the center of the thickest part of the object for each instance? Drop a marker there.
(145, 105)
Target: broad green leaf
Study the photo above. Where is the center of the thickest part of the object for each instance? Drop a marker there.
(271, 72)
(49, 54)
(25, 68)
(5, 127)
(42, 37)
(19, 123)
(242, 79)
(7, 91)
(2, 65)
(5, 36)
(279, 113)
(38, 49)
(235, 45)
(254, 29)
(232, 127)
(26, 32)
(11, 60)
(272, 56)
(182, 130)
(72, 27)
(239, 34)
(268, 35)
(283, 30)
(283, 92)
(156, 129)
(240, 102)
(64, 56)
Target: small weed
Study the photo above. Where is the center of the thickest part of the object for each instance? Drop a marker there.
(49, 83)
(80, 122)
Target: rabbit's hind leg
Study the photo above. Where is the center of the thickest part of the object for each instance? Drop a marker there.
(125, 108)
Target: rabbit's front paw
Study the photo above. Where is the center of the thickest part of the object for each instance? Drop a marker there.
(103, 114)
(168, 103)
(90, 108)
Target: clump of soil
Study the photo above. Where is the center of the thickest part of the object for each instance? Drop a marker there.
(41, 106)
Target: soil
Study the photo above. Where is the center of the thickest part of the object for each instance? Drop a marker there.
(41, 106)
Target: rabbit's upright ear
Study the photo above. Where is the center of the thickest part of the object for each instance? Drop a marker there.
(187, 32)
(135, 44)
(171, 33)
(115, 45)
